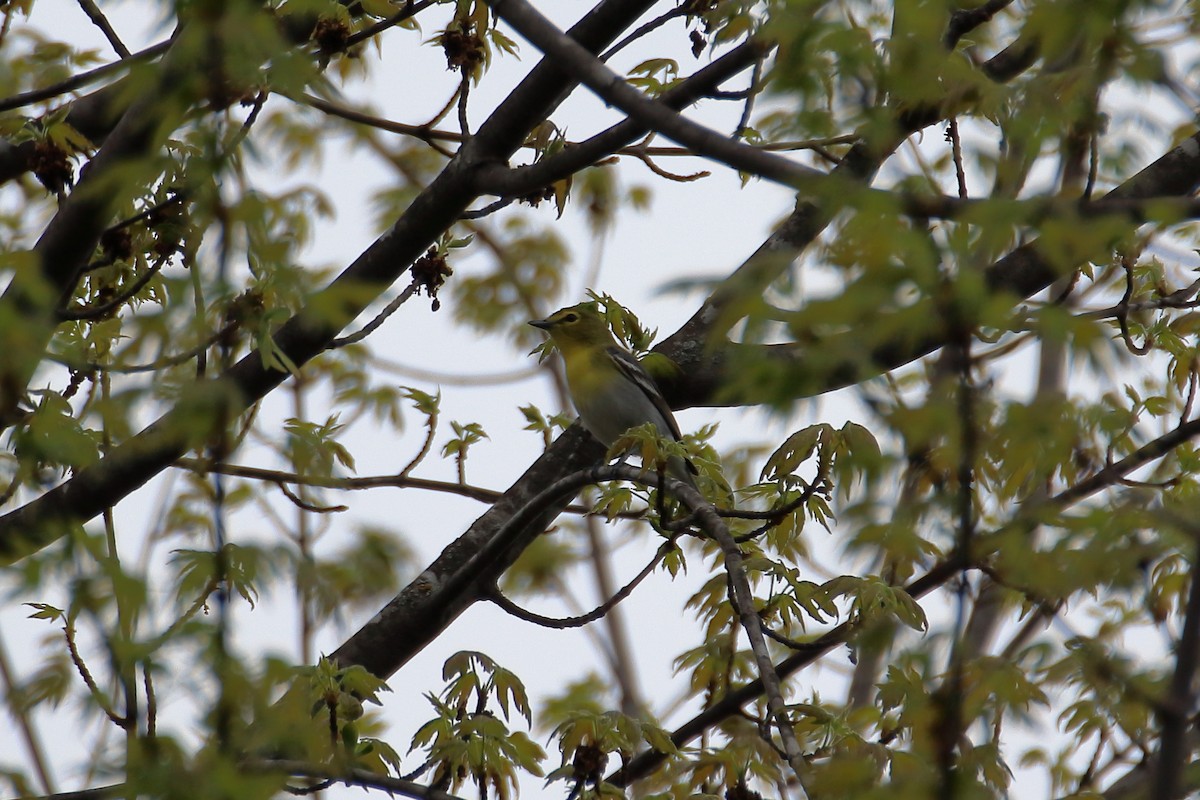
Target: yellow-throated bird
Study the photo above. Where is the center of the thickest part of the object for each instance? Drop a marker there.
(611, 391)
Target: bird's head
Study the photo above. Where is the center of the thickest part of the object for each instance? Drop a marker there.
(574, 325)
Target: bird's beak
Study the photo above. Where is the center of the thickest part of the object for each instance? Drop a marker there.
(544, 324)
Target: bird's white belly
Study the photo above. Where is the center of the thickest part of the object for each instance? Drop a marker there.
(609, 413)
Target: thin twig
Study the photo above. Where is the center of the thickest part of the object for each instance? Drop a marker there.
(374, 324)
(410, 10)
(256, 106)
(1193, 383)
(776, 516)
(671, 176)
(489, 209)
(199, 603)
(98, 695)
(154, 366)
(351, 777)
(151, 700)
(464, 93)
(786, 146)
(115, 790)
(417, 772)
(100, 21)
(1180, 299)
(619, 651)
(301, 791)
(789, 642)
(642, 30)
(1088, 778)
(82, 79)
(456, 379)
(1176, 707)
(1123, 313)
(177, 196)
(11, 489)
(443, 111)
(370, 482)
(956, 153)
(751, 93)
(1093, 163)
(741, 597)
(307, 506)
(495, 596)
(651, 113)
(431, 423)
(107, 307)
(6, 25)
(425, 133)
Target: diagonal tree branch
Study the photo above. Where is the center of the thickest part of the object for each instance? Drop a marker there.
(965, 20)
(857, 168)
(82, 79)
(505, 182)
(131, 464)
(1177, 707)
(650, 113)
(117, 171)
(937, 576)
(459, 577)
(418, 614)
(114, 174)
(414, 616)
(93, 115)
(96, 114)
(844, 359)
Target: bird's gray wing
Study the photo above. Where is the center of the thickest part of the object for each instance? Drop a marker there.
(633, 370)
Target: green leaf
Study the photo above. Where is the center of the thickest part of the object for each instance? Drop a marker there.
(46, 611)
(53, 437)
(794, 451)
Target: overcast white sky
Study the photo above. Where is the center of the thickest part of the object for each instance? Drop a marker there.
(691, 230)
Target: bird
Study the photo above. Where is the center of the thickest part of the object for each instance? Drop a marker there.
(610, 389)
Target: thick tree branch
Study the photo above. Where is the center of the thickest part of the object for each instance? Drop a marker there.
(710, 375)
(468, 568)
(307, 334)
(504, 181)
(95, 114)
(650, 113)
(965, 20)
(856, 169)
(937, 576)
(1177, 707)
(28, 303)
(82, 79)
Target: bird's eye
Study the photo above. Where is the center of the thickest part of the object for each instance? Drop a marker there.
(571, 318)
